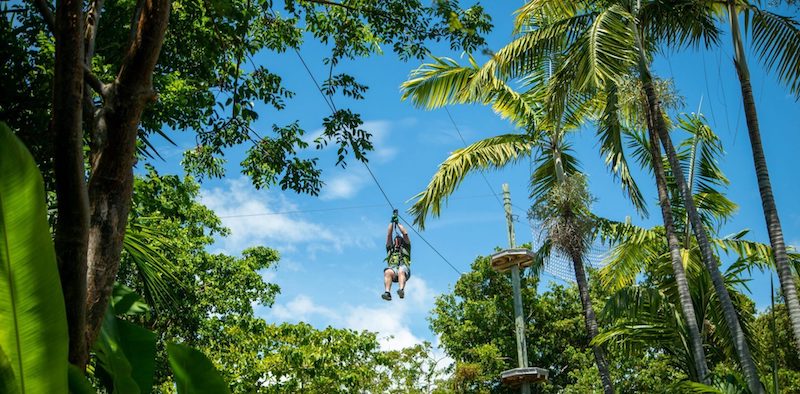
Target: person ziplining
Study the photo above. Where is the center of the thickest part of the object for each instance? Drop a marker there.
(398, 259)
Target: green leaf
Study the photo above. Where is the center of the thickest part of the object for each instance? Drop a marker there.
(113, 368)
(33, 323)
(193, 371)
(139, 345)
(126, 355)
(493, 152)
(78, 384)
(8, 384)
(125, 301)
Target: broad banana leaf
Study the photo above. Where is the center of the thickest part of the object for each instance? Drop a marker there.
(193, 371)
(78, 384)
(33, 322)
(125, 356)
(8, 384)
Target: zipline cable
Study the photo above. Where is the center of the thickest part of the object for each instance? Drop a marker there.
(332, 105)
(455, 126)
(429, 244)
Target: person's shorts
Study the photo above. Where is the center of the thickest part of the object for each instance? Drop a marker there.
(396, 271)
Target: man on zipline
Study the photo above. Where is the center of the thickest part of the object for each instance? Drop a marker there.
(398, 259)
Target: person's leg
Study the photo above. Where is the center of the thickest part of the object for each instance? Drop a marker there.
(402, 276)
(401, 279)
(388, 276)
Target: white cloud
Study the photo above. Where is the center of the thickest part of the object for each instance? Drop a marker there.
(346, 184)
(390, 320)
(253, 218)
(268, 275)
(380, 130)
(301, 308)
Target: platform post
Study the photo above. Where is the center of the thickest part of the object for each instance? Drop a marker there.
(519, 321)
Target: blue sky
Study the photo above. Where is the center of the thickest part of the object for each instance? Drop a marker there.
(330, 271)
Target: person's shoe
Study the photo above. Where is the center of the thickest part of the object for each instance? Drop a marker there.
(387, 296)
(401, 293)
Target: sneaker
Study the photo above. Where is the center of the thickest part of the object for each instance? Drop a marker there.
(387, 296)
(401, 293)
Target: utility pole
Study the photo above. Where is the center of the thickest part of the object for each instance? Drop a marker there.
(519, 320)
(516, 259)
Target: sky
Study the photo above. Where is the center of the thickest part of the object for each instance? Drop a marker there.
(331, 246)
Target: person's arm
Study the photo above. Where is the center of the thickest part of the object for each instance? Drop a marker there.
(405, 234)
(389, 236)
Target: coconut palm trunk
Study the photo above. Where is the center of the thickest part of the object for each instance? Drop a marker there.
(709, 259)
(591, 322)
(590, 318)
(656, 119)
(687, 308)
(774, 228)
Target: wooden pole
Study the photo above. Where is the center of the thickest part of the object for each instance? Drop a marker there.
(519, 321)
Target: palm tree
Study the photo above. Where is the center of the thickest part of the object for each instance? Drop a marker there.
(645, 316)
(607, 40)
(636, 248)
(649, 153)
(776, 41)
(558, 189)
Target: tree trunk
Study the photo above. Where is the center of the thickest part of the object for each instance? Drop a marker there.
(774, 228)
(113, 157)
(591, 324)
(72, 224)
(687, 308)
(590, 318)
(708, 256)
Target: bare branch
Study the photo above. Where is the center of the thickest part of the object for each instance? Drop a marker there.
(47, 14)
(92, 23)
(135, 19)
(94, 82)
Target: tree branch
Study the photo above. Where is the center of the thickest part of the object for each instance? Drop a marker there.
(92, 22)
(335, 4)
(72, 226)
(137, 12)
(94, 82)
(47, 14)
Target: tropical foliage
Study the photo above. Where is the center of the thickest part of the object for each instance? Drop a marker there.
(107, 282)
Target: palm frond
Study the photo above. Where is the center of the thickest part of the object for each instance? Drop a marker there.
(776, 40)
(610, 134)
(156, 271)
(694, 26)
(518, 108)
(531, 48)
(492, 152)
(755, 253)
(544, 177)
(604, 51)
(443, 82)
(536, 12)
(632, 247)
